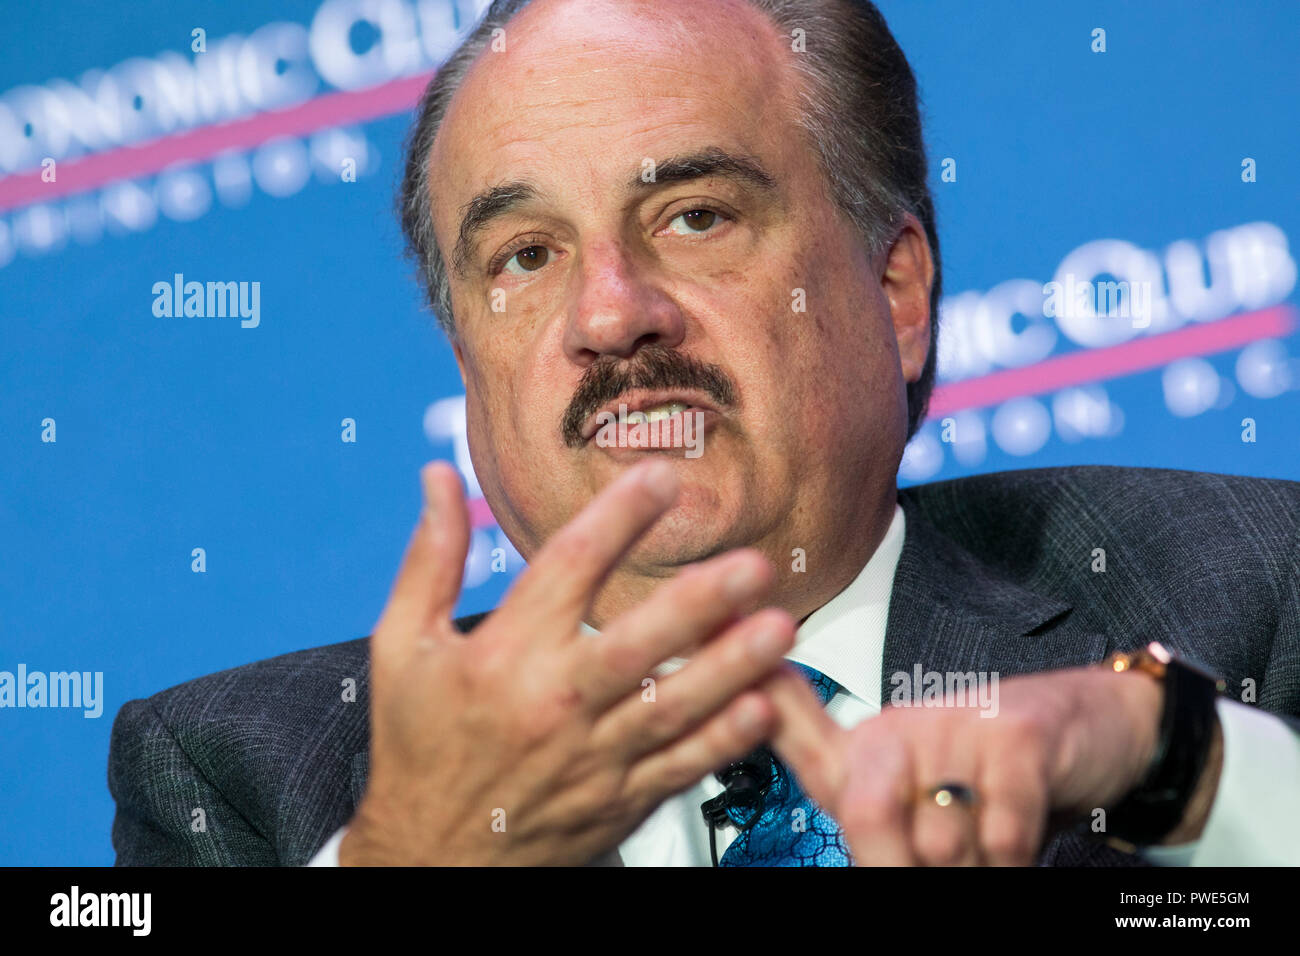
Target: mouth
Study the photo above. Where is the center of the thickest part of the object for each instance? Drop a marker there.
(646, 407)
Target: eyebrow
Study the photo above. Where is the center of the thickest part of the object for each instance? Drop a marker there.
(498, 201)
(713, 161)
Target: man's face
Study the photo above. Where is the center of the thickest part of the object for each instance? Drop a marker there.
(744, 293)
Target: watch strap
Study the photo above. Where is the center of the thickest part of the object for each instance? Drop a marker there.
(1155, 807)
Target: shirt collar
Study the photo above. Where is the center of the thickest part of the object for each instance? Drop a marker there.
(845, 637)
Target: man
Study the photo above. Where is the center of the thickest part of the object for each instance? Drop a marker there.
(618, 203)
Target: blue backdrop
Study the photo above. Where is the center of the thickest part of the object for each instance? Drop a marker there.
(1159, 153)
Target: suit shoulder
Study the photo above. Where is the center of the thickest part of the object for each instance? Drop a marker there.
(245, 727)
(300, 691)
(266, 748)
(1029, 522)
(1115, 496)
(273, 683)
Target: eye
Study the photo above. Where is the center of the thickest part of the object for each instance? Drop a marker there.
(529, 259)
(695, 221)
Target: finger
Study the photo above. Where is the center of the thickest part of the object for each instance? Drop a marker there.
(429, 580)
(566, 573)
(1014, 791)
(726, 737)
(680, 615)
(944, 835)
(875, 806)
(683, 700)
(808, 741)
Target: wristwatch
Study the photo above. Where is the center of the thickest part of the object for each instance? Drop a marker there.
(1151, 810)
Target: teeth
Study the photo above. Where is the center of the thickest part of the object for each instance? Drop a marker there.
(655, 414)
(666, 410)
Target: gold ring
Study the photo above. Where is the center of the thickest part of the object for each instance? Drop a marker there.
(951, 794)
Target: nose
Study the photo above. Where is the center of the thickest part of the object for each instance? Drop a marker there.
(618, 308)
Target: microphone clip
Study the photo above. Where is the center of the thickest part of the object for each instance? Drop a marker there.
(745, 784)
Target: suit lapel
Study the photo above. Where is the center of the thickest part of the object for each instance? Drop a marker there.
(950, 612)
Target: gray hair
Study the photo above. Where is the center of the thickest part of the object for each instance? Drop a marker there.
(860, 110)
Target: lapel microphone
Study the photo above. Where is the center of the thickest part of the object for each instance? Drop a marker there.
(746, 783)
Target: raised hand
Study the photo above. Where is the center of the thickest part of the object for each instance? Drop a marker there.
(528, 741)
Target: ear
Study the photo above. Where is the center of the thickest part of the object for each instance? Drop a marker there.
(460, 357)
(906, 280)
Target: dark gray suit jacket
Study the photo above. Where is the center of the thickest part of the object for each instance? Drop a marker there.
(995, 575)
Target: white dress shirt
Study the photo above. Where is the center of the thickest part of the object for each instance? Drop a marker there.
(1253, 820)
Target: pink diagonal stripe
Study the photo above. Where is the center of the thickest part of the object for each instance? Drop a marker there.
(204, 142)
(1095, 365)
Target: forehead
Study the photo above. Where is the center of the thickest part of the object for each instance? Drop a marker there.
(585, 89)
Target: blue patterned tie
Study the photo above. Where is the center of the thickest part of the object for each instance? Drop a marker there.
(792, 830)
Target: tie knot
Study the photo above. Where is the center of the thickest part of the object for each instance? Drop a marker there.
(779, 824)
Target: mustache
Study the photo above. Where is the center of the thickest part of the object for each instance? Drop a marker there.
(654, 367)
